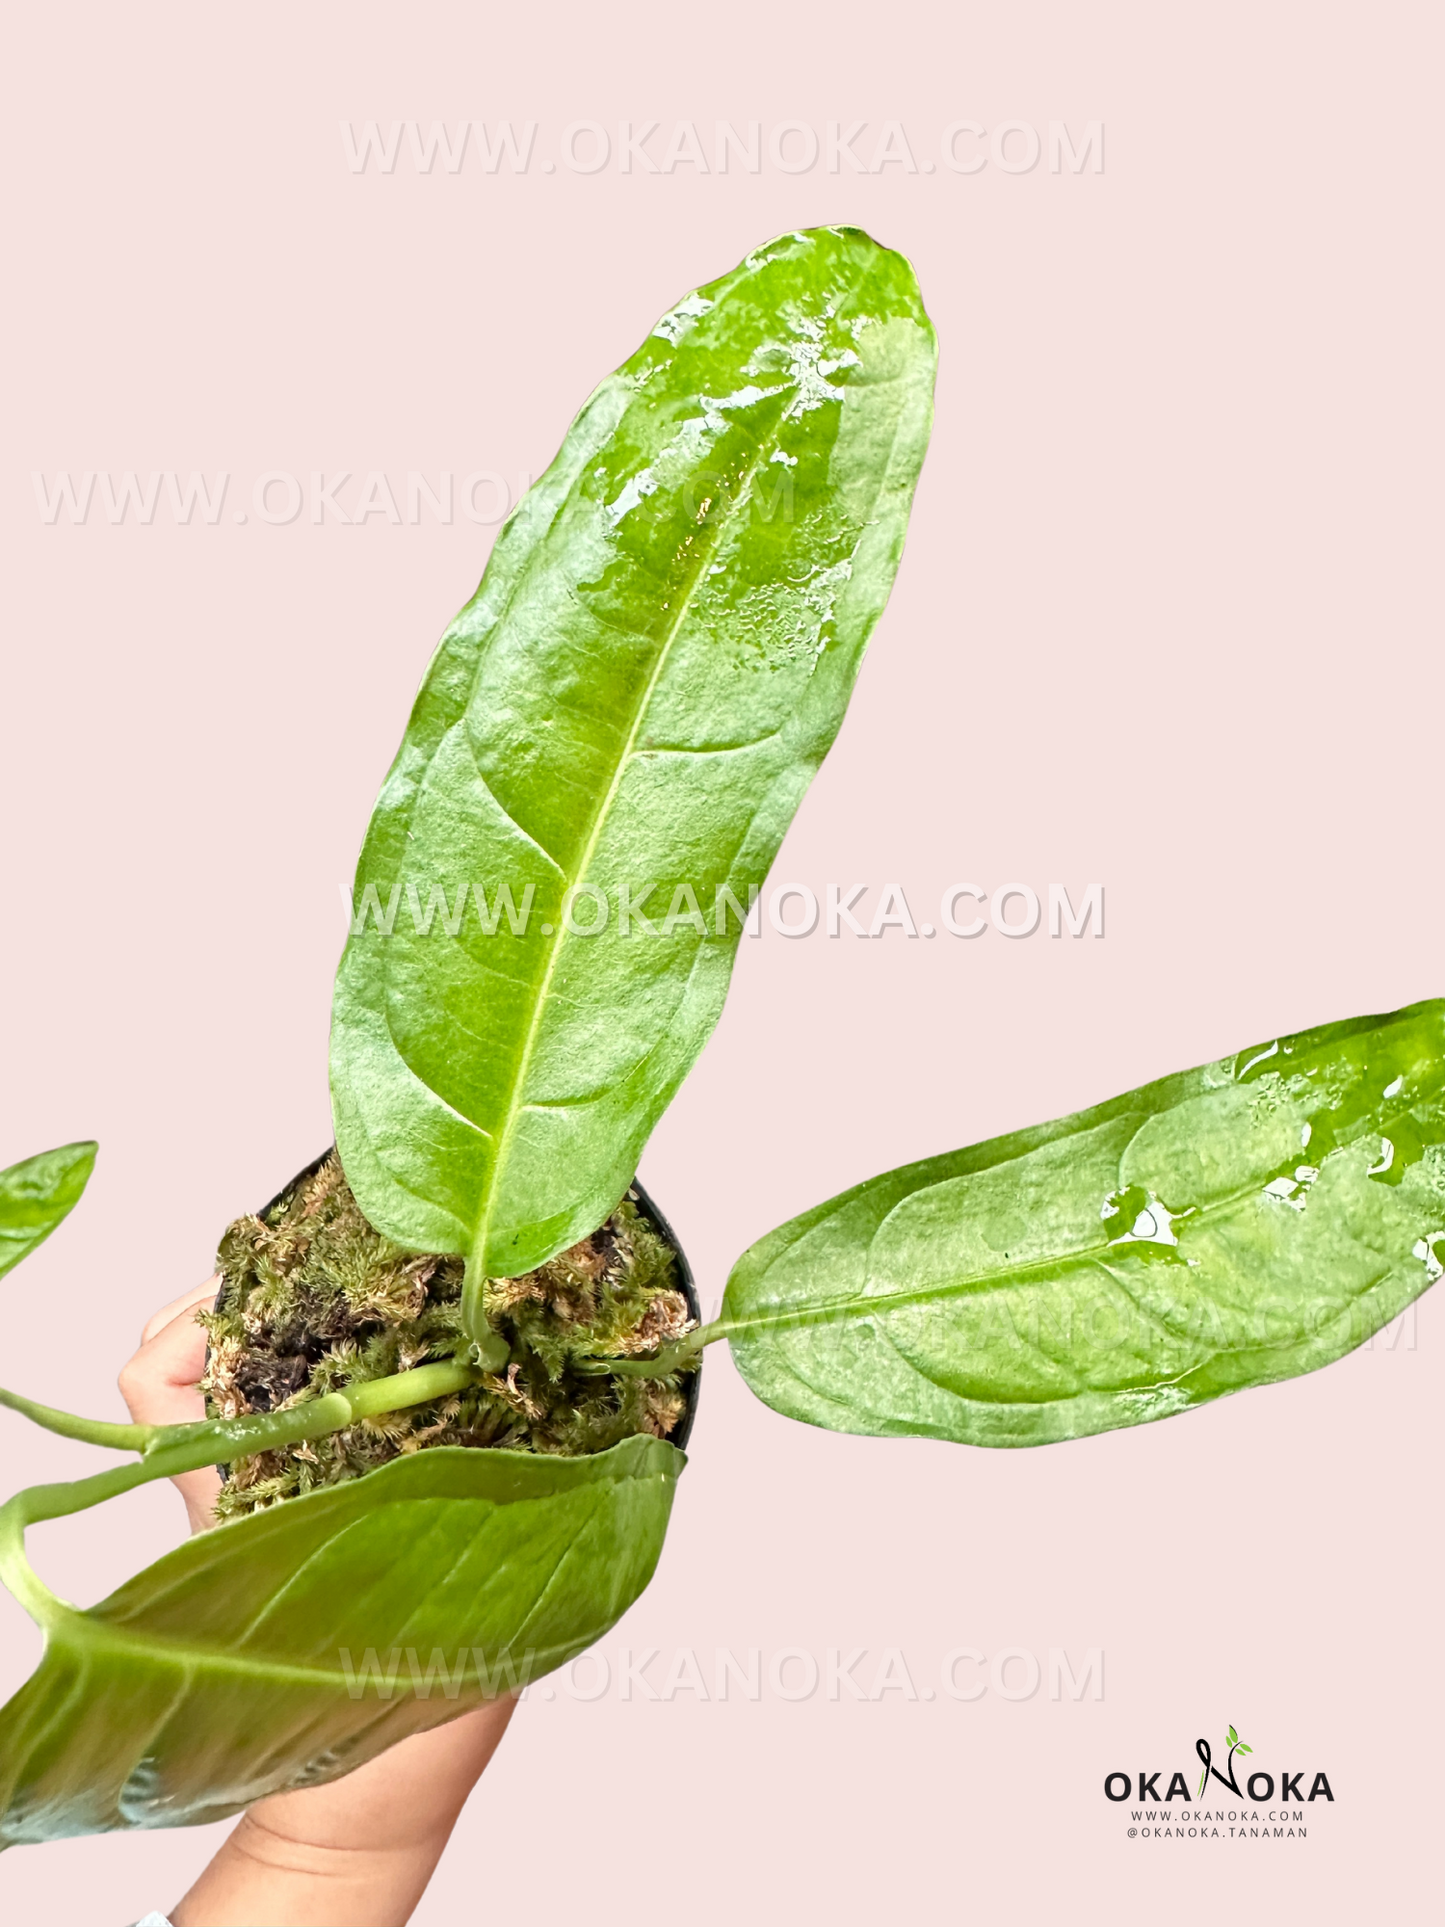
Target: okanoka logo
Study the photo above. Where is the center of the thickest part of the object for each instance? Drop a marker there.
(1211, 1771)
(1262, 1803)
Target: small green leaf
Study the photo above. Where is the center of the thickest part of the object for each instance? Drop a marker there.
(637, 697)
(236, 1665)
(1000, 1295)
(1242, 1748)
(1233, 1736)
(36, 1194)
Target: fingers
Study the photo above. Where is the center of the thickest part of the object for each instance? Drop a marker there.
(161, 1386)
(202, 1295)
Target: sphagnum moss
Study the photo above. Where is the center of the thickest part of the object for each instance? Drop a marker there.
(313, 1298)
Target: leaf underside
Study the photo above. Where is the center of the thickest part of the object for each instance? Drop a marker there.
(657, 660)
(217, 1675)
(1225, 1227)
(37, 1194)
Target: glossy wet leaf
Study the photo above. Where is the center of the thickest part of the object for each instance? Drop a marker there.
(256, 1657)
(657, 660)
(36, 1195)
(1225, 1227)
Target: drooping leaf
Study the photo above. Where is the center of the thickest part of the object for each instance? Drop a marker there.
(1224, 1227)
(257, 1656)
(36, 1194)
(657, 660)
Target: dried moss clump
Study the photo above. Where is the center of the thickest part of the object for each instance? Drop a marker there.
(313, 1298)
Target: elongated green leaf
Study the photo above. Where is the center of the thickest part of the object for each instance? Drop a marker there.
(287, 1648)
(1225, 1227)
(657, 660)
(36, 1194)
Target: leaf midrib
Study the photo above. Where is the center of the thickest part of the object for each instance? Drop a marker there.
(979, 1284)
(91, 1638)
(515, 1104)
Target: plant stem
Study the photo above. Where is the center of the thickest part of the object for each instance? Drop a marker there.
(40, 1502)
(259, 1431)
(167, 1450)
(238, 1438)
(672, 1358)
(94, 1431)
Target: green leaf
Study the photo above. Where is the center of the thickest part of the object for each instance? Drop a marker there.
(1240, 1747)
(1221, 1228)
(1232, 1736)
(36, 1194)
(657, 660)
(221, 1672)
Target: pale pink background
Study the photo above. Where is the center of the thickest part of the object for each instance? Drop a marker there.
(1169, 619)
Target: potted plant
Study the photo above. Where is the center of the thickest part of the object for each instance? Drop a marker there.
(451, 1364)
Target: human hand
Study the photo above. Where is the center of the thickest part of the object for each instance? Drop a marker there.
(359, 1851)
(161, 1385)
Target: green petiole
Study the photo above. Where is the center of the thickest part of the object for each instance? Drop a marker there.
(208, 1440)
(672, 1358)
(168, 1450)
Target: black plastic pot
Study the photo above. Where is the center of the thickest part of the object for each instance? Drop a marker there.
(690, 1385)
